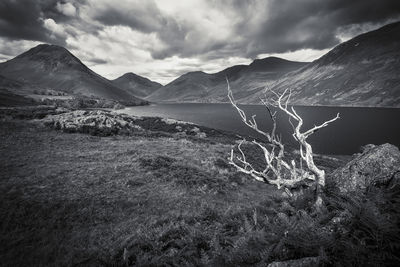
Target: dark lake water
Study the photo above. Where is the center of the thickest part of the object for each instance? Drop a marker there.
(355, 128)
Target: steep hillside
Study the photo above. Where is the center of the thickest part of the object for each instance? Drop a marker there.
(54, 67)
(246, 80)
(136, 85)
(8, 99)
(10, 84)
(364, 71)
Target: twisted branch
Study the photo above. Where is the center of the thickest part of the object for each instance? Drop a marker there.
(283, 173)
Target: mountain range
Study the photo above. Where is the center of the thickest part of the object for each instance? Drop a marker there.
(246, 80)
(51, 67)
(363, 71)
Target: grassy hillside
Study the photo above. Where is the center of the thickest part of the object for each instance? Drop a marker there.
(164, 198)
(8, 99)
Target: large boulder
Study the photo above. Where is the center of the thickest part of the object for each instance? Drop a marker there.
(376, 165)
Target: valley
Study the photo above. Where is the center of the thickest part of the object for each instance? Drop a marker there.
(130, 172)
(361, 72)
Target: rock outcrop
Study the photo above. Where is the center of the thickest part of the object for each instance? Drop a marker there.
(106, 123)
(95, 122)
(376, 165)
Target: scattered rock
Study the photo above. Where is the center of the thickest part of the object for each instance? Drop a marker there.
(172, 121)
(283, 218)
(306, 262)
(201, 135)
(196, 130)
(198, 133)
(367, 148)
(95, 122)
(106, 123)
(376, 165)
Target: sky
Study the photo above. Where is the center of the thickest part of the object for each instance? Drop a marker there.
(163, 39)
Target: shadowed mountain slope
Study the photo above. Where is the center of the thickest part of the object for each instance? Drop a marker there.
(136, 85)
(246, 80)
(54, 67)
(364, 71)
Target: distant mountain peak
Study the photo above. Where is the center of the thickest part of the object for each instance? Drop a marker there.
(196, 72)
(136, 85)
(51, 56)
(363, 71)
(273, 64)
(270, 59)
(50, 47)
(130, 75)
(54, 67)
(364, 46)
(44, 48)
(198, 86)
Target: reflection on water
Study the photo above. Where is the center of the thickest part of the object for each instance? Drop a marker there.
(356, 127)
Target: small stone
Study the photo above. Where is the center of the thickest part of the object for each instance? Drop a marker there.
(201, 135)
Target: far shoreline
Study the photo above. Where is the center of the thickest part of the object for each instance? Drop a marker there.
(246, 104)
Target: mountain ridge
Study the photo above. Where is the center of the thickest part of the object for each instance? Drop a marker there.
(54, 67)
(363, 71)
(199, 86)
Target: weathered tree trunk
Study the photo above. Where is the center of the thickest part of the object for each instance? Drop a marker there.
(274, 162)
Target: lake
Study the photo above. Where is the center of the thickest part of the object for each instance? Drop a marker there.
(355, 128)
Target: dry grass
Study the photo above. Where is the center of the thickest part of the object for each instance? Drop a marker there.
(70, 198)
(164, 200)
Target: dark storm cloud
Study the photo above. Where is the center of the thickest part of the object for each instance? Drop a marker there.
(284, 25)
(202, 32)
(312, 24)
(97, 61)
(21, 20)
(144, 16)
(24, 19)
(290, 25)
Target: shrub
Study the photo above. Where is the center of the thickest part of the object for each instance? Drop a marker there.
(223, 164)
(156, 163)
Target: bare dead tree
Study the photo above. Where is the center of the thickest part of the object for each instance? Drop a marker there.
(277, 170)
